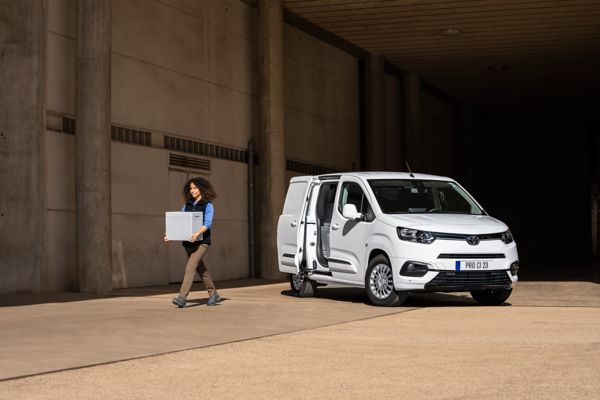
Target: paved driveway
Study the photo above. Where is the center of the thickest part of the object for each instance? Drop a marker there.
(263, 343)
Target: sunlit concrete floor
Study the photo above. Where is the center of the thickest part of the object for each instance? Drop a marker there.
(261, 342)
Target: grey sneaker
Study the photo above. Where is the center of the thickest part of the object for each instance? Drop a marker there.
(179, 302)
(213, 300)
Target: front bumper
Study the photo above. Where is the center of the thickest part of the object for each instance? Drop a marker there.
(462, 281)
(445, 275)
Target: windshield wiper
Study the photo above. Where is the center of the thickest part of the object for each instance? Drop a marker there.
(440, 211)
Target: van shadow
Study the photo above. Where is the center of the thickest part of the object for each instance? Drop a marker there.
(425, 300)
(358, 295)
(350, 295)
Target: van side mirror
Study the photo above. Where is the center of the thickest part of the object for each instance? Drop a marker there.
(349, 211)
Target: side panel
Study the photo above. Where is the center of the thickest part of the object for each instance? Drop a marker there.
(291, 226)
(348, 241)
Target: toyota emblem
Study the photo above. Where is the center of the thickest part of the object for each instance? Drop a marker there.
(473, 240)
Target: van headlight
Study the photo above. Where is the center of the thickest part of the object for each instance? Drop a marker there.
(413, 235)
(506, 237)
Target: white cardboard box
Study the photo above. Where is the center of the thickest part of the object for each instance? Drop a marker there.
(181, 225)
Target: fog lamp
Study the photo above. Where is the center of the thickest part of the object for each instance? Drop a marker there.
(514, 268)
(411, 268)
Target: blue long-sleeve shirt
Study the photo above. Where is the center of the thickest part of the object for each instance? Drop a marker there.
(209, 212)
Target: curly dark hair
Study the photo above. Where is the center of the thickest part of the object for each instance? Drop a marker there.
(206, 189)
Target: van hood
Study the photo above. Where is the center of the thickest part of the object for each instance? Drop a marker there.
(446, 223)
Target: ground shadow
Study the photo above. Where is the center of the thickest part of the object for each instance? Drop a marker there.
(26, 299)
(576, 271)
(203, 302)
(442, 300)
(358, 295)
(345, 294)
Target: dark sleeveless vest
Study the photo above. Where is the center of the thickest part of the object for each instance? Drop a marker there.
(200, 206)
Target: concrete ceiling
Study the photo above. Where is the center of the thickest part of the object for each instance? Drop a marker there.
(501, 50)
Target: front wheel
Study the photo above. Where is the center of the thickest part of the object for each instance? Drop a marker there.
(302, 286)
(491, 297)
(379, 283)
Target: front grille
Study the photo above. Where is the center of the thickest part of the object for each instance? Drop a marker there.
(471, 256)
(461, 236)
(468, 280)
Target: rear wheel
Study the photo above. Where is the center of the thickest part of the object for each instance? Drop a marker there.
(491, 297)
(302, 286)
(379, 283)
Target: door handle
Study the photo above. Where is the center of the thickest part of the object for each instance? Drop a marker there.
(294, 223)
(335, 227)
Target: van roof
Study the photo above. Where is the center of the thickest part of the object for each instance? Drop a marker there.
(385, 175)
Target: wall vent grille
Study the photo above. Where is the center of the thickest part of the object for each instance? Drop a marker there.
(144, 138)
(205, 149)
(310, 169)
(122, 134)
(68, 125)
(131, 136)
(178, 160)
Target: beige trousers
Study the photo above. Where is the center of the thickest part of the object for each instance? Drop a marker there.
(194, 264)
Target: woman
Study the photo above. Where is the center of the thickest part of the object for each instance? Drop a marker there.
(198, 194)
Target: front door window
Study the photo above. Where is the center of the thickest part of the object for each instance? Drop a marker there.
(352, 193)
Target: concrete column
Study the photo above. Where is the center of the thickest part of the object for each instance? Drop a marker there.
(93, 210)
(413, 145)
(271, 135)
(22, 145)
(375, 101)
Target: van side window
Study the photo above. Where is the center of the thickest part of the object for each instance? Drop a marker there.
(352, 193)
(295, 198)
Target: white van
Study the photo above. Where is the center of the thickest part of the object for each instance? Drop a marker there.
(393, 234)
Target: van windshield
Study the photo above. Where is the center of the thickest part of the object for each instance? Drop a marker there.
(404, 196)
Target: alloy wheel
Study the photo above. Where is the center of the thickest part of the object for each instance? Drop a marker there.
(381, 282)
(298, 280)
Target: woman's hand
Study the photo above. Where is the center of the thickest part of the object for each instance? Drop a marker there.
(195, 236)
(166, 238)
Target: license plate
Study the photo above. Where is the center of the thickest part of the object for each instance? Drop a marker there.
(473, 265)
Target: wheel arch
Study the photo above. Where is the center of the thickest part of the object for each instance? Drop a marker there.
(376, 252)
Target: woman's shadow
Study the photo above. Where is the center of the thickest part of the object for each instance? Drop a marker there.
(203, 302)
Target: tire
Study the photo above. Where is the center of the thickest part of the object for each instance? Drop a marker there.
(491, 297)
(379, 284)
(302, 286)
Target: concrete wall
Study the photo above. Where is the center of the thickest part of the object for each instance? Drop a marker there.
(187, 69)
(60, 161)
(60, 192)
(321, 102)
(193, 77)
